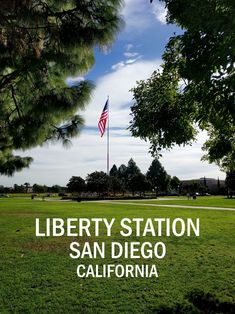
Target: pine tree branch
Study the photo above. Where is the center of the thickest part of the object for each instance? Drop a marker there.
(34, 28)
(15, 101)
(6, 80)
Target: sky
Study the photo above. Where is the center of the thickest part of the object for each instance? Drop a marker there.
(134, 55)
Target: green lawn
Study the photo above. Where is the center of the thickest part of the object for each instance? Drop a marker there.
(38, 276)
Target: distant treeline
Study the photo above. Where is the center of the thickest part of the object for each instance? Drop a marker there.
(128, 179)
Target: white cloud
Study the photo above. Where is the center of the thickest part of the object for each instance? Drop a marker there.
(135, 14)
(139, 15)
(129, 47)
(160, 12)
(124, 63)
(118, 65)
(130, 61)
(130, 54)
(118, 84)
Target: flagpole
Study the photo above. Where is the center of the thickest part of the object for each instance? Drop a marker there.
(108, 141)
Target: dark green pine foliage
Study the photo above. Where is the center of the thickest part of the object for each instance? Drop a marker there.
(131, 171)
(157, 176)
(41, 43)
(122, 176)
(132, 168)
(113, 171)
(205, 182)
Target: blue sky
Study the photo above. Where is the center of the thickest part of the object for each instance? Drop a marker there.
(135, 54)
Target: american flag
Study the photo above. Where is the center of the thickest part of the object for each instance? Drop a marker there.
(103, 118)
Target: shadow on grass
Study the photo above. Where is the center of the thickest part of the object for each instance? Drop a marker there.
(198, 302)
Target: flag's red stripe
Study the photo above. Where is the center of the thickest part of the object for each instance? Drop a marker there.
(102, 121)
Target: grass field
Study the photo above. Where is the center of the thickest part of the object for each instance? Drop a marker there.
(38, 276)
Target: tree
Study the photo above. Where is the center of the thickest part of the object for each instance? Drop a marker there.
(117, 179)
(98, 182)
(230, 182)
(76, 184)
(27, 185)
(122, 172)
(157, 176)
(175, 183)
(2, 188)
(116, 184)
(195, 88)
(205, 186)
(113, 171)
(56, 188)
(138, 183)
(37, 188)
(18, 188)
(41, 43)
(122, 175)
(131, 171)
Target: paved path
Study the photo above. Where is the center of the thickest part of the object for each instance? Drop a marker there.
(171, 206)
(136, 204)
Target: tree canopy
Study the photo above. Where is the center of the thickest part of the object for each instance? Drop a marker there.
(195, 87)
(230, 182)
(132, 168)
(113, 171)
(76, 184)
(175, 183)
(97, 181)
(157, 176)
(41, 43)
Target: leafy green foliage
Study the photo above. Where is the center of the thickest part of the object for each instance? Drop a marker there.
(124, 179)
(41, 42)
(138, 183)
(97, 181)
(113, 171)
(175, 183)
(56, 188)
(116, 184)
(10, 164)
(122, 173)
(135, 180)
(38, 188)
(76, 184)
(157, 176)
(230, 182)
(195, 88)
(132, 169)
(160, 114)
